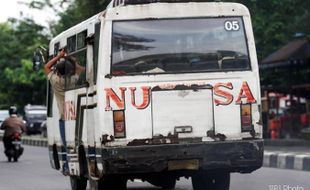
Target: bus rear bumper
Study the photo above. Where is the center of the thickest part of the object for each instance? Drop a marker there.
(242, 156)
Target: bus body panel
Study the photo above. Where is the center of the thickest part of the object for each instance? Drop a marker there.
(225, 118)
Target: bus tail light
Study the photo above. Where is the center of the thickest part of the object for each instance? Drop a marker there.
(246, 117)
(119, 124)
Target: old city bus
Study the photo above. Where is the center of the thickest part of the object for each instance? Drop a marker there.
(171, 89)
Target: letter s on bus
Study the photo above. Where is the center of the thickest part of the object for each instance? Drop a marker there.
(224, 94)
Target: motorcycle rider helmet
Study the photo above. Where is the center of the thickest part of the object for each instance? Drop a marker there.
(13, 110)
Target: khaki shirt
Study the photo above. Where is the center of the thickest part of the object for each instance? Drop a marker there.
(13, 124)
(58, 85)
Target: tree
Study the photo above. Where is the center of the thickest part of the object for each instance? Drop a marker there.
(20, 85)
(275, 22)
(78, 11)
(24, 85)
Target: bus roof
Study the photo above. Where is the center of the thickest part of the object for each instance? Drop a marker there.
(136, 2)
(77, 28)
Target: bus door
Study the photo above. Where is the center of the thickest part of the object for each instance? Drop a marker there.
(76, 89)
(90, 109)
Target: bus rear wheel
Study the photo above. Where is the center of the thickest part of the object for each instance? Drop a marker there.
(78, 183)
(211, 181)
(108, 183)
(165, 181)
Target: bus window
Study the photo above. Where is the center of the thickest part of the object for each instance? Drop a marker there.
(76, 49)
(71, 44)
(50, 96)
(96, 50)
(81, 39)
(56, 48)
(179, 46)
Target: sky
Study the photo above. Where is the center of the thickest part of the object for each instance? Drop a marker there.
(13, 8)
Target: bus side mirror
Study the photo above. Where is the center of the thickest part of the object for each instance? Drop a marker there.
(38, 59)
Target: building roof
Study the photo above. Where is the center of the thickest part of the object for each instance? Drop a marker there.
(297, 49)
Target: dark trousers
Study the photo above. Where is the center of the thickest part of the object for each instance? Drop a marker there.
(63, 139)
(7, 142)
(62, 132)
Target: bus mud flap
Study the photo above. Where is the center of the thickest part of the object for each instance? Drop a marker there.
(95, 169)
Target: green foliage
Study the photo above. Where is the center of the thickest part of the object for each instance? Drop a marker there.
(41, 4)
(78, 11)
(20, 85)
(24, 74)
(275, 22)
(32, 84)
(8, 47)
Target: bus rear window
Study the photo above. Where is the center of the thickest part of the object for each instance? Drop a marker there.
(179, 46)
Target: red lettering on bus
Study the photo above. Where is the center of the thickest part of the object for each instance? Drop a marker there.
(221, 91)
(70, 113)
(224, 94)
(146, 97)
(120, 103)
(245, 92)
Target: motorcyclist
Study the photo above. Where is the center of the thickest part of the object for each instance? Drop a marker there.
(11, 125)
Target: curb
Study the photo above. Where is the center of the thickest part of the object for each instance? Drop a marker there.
(286, 160)
(32, 142)
(35, 142)
(286, 142)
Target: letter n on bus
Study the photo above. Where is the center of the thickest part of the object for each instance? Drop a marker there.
(110, 94)
(70, 113)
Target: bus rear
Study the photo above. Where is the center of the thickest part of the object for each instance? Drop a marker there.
(178, 93)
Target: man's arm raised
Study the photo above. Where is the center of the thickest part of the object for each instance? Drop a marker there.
(48, 65)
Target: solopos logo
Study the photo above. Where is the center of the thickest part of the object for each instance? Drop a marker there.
(286, 187)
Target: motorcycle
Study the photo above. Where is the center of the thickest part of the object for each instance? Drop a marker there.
(15, 150)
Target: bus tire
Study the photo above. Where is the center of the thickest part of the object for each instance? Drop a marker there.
(165, 181)
(211, 181)
(95, 184)
(55, 157)
(168, 184)
(78, 183)
(108, 184)
(83, 162)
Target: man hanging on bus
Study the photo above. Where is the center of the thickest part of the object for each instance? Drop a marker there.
(58, 70)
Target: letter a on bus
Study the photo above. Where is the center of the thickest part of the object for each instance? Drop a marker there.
(245, 92)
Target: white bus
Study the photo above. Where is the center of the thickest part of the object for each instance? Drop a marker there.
(171, 89)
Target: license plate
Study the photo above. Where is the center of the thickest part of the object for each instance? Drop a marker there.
(183, 164)
(16, 142)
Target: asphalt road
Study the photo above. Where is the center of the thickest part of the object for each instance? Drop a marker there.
(33, 172)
